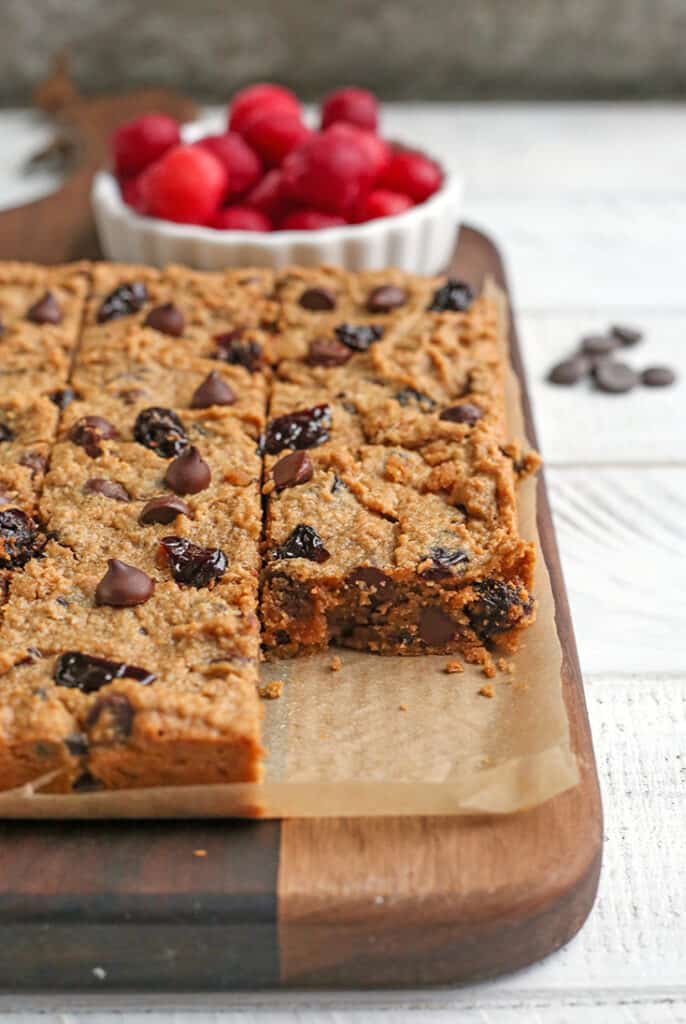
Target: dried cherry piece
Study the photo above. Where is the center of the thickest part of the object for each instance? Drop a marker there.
(497, 608)
(358, 337)
(6, 433)
(63, 397)
(88, 673)
(192, 564)
(302, 542)
(306, 428)
(128, 298)
(89, 431)
(35, 461)
(231, 349)
(20, 539)
(118, 713)
(407, 395)
(453, 297)
(444, 560)
(161, 430)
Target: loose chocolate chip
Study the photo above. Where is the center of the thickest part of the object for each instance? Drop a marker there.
(45, 311)
(167, 319)
(614, 378)
(599, 344)
(358, 337)
(123, 586)
(497, 607)
(20, 539)
(188, 473)
(88, 673)
(90, 431)
(76, 743)
(63, 397)
(374, 580)
(569, 371)
(6, 433)
(454, 297)
(626, 335)
(318, 299)
(328, 352)
(444, 561)
(406, 396)
(464, 413)
(161, 430)
(34, 461)
(292, 470)
(107, 488)
(306, 428)
(386, 298)
(302, 542)
(436, 627)
(192, 564)
(164, 509)
(213, 391)
(117, 712)
(230, 349)
(123, 301)
(658, 377)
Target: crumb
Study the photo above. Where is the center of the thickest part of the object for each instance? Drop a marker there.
(402, 707)
(489, 670)
(271, 691)
(199, 853)
(336, 664)
(453, 666)
(487, 690)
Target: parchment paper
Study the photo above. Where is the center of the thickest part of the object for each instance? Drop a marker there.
(386, 735)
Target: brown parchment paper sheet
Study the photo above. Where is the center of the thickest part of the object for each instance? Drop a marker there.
(386, 735)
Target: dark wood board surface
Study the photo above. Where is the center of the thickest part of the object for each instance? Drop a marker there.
(330, 902)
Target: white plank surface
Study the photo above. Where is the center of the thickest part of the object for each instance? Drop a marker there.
(589, 206)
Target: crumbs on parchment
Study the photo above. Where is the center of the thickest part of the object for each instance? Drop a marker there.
(487, 690)
(271, 691)
(336, 664)
(452, 667)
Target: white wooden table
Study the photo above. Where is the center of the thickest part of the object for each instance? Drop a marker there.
(589, 206)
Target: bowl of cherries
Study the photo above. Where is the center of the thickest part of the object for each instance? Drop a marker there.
(271, 189)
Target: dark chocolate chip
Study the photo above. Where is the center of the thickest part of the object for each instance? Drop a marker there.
(112, 711)
(20, 539)
(614, 378)
(306, 428)
(658, 377)
(45, 311)
(213, 391)
(318, 299)
(35, 461)
(292, 470)
(328, 352)
(358, 337)
(123, 301)
(6, 433)
(569, 371)
(627, 335)
(123, 586)
(453, 297)
(436, 627)
(164, 509)
(407, 396)
(188, 473)
(599, 344)
(192, 564)
(161, 430)
(63, 397)
(77, 744)
(463, 413)
(167, 319)
(302, 542)
(374, 580)
(107, 488)
(90, 431)
(386, 298)
(88, 673)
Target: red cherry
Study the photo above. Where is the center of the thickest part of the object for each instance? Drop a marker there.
(382, 203)
(241, 218)
(242, 163)
(413, 174)
(310, 220)
(274, 133)
(267, 196)
(379, 152)
(186, 185)
(137, 143)
(328, 173)
(355, 106)
(262, 96)
(131, 192)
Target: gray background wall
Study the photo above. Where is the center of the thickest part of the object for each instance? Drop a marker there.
(406, 49)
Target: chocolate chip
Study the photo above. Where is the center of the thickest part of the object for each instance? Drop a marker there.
(45, 311)
(658, 377)
(35, 461)
(167, 319)
(188, 473)
(123, 586)
(63, 397)
(318, 299)
(107, 488)
(112, 713)
(444, 561)
(454, 297)
(292, 470)
(20, 539)
(599, 344)
(358, 337)
(464, 413)
(406, 396)
(386, 298)
(239, 353)
(164, 509)
(213, 391)
(192, 564)
(88, 673)
(435, 627)
(90, 431)
(374, 580)
(306, 428)
(627, 335)
(302, 542)
(569, 371)
(497, 607)
(123, 301)
(6, 433)
(77, 744)
(161, 431)
(328, 352)
(614, 378)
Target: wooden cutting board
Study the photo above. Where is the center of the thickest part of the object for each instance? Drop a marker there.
(330, 902)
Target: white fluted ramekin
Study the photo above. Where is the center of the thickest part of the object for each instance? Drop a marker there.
(420, 241)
